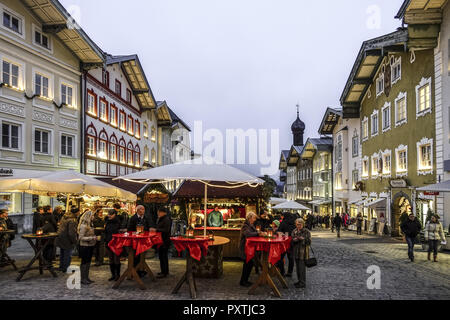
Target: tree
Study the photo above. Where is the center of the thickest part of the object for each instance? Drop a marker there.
(269, 187)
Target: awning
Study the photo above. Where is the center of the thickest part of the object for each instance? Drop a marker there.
(315, 202)
(375, 203)
(325, 202)
(439, 187)
(355, 201)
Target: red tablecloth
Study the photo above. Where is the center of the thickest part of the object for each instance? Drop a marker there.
(275, 247)
(140, 243)
(196, 246)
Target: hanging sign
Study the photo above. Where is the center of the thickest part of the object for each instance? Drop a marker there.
(398, 184)
(430, 193)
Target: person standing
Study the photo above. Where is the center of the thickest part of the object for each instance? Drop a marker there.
(301, 240)
(99, 249)
(248, 230)
(37, 219)
(215, 218)
(139, 219)
(359, 222)
(4, 238)
(49, 225)
(67, 239)
(58, 213)
(112, 226)
(263, 221)
(163, 225)
(337, 221)
(286, 227)
(88, 239)
(434, 232)
(411, 228)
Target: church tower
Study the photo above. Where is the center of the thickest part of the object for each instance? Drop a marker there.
(298, 129)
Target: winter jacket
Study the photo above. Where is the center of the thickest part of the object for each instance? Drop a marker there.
(434, 231)
(264, 224)
(288, 224)
(359, 221)
(164, 225)
(87, 235)
(67, 232)
(301, 247)
(49, 224)
(135, 220)
(112, 226)
(247, 231)
(337, 221)
(411, 228)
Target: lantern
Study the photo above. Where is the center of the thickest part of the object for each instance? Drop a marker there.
(39, 232)
(211, 236)
(190, 233)
(140, 229)
(270, 233)
(258, 228)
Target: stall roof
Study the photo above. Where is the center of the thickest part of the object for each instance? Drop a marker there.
(130, 186)
(195, 189)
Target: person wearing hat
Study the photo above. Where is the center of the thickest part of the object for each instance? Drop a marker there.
(67, 238)
(411, 228)
(275, 225)
(112, 226)
(434, 232)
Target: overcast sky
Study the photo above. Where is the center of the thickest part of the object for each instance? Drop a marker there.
(241, 63)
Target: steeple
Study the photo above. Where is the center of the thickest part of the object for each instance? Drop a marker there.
(298, 129)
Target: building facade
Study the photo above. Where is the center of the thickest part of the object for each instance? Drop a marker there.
(43, 55)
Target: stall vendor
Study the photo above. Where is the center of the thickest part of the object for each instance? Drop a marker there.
(215, 218)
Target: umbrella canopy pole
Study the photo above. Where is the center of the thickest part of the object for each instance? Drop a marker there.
(206, 208)
(67, 203)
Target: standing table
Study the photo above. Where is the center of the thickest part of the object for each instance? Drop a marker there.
(211, 265)
(9, 261)
(272, 249)
(196, 247)
(41, 242)
(137, 245)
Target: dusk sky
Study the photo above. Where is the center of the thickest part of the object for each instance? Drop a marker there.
(241, 64)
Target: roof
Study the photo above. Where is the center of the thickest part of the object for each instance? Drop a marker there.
(132, 68)
(176, 119)
(421, 11)
(57, 21)
(130, 186)
(283, 159)
(294, 155)
(316, 144)
(330, 120)
(365, 68)
(285, 153)
(195, 189)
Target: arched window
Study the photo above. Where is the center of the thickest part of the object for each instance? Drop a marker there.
(137, 156)
(130, 152)
(122, 148)
(113, 148)
(103, 145)
(91, 141)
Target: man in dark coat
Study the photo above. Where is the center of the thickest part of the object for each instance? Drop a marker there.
(411, 228)
(37, 219)
(163, 225)
(337, 224)
(138, 219)
(287, 226)
(263, 221)
(248, 230)
(49, 225)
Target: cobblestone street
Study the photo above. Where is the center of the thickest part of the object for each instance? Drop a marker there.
(340, 275)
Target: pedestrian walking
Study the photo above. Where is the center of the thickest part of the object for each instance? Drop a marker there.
(411, 228)
(67, 238)
(112, 226)
(248, 230)
(301, 240)
(434, 232)
(337, 224)
(359, 222)
(88, 239)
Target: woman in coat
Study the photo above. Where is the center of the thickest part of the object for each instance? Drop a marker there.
(248, 230)
(86, 235)
(67, 239)
(301, 240)
(112, 226)
(434, 233)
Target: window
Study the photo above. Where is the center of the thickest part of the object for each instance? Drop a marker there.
(396, 70)
(380, 84)
(122, 123)
(118, 88)
(153, 134)
(113, 115)
(130, 152)
(41, 39)
(137, 156)
(425, 156)
(153, 156)
(91, 146)
(386, 114)
(130, 125)
(374, 120)
(67, 94)
(113, 148)
(355, 178)
(67, 145)
(365, 129)
(355, 145)
(145, 130)
(12, 22)
(103, 110)
(92, 104)
(11, 136)
(423, 97)
(122, 151)
(137, 129)
(41, 141)
(146, 154)
(41, 83)
(365, 167)
(375, 165)
(106, 78)
(339, 148)
(400, 109)
(387, 163)
(338, 183)
(402, 160)
(91, 143)
(10, 74)
(129, 95)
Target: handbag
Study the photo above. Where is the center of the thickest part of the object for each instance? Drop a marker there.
(312, 261)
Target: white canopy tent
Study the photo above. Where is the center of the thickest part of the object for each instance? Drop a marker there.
(68, 182)
(205, 170)
(290, 205)
(439, 187)
(275, 201)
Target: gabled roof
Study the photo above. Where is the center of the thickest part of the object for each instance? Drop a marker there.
(294, 155)
(57, 21)
(421, 11)
(330, 120)
(365, 68)
(176, 119)
(283, 159)
(313, 145)
(132, 68)
(167, 117)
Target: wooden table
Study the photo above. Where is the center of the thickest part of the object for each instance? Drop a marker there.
(211, 265)
(196, 247)
(230, 251)
(41, 242)
(137, 245)
(271, 254)
(9, 261)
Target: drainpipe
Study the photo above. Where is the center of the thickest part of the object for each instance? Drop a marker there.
(83, 120)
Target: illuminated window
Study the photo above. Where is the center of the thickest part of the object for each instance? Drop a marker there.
(67, 94)
(400, 109)
(11, 74)
(103, 110)
(92, 104)
(41, 83)
(425, 156)
(423, 97)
